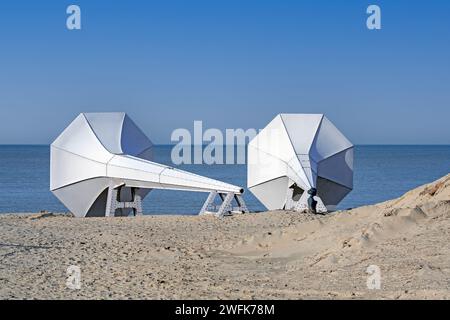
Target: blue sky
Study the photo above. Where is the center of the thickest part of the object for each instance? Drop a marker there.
(232, 64)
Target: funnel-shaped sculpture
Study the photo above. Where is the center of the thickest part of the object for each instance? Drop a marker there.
(100, 165)
(297, 156)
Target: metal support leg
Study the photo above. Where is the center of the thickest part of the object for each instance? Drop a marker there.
(290, 203)
(226, 205)
(110, 209)
(302, 203)
(209, 201)
(242, 207)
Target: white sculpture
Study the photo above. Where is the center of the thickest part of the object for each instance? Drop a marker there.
(100, 165)
(296, 155)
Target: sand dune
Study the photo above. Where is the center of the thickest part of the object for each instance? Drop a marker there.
(269, 255)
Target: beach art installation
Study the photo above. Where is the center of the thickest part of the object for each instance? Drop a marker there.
(300, 162)
(100, 165)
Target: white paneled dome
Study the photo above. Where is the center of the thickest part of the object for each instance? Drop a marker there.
(295, 153)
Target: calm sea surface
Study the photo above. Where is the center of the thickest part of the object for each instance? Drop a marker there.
(381, 173)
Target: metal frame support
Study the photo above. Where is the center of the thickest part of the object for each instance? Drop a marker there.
(226, 207)
(113, 202)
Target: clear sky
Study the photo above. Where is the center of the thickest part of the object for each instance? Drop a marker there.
(232, 64)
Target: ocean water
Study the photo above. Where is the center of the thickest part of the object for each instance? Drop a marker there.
(380, 173)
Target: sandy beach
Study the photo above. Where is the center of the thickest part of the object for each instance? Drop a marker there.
(273, 255)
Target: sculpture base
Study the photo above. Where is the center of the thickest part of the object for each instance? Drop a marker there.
(116, 207)
(302, 203)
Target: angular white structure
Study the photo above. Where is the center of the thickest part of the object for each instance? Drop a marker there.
(100, 165)
(295, 153)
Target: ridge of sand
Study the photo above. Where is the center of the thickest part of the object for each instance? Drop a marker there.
(254, 256)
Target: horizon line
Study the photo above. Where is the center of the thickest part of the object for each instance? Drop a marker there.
(193, 145)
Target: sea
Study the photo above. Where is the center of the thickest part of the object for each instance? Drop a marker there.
(381, 172)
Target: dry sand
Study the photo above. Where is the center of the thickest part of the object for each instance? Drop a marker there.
(281, 255)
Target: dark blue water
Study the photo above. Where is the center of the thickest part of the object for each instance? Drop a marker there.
(381, 173)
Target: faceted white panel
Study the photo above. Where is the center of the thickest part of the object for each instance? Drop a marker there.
(329, 141)
(107, 126)
(301, 129)
(80, 168)
(330, 192)
(274, 140)
(86, 192)
(338, 168)
(263, 166)
(134, 141)
(272, 193)
(78, 138)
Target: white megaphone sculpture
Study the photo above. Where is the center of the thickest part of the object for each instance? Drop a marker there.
(300, 161)
(100, 165)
